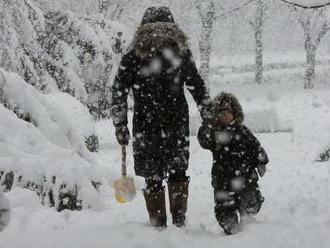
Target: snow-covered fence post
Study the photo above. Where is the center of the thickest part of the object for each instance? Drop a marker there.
(315, 24)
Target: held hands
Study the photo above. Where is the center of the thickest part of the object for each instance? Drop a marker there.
(261, 169)
(122, 135)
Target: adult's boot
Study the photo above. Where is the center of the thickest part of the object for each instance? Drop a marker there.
(178, 194)
(155, 202)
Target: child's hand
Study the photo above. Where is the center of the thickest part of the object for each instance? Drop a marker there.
(261, 169)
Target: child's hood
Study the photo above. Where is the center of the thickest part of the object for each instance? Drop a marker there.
(227, 98)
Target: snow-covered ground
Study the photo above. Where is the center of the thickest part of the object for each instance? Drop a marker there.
(296, 212)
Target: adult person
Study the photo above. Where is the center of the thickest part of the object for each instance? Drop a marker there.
(156, 67)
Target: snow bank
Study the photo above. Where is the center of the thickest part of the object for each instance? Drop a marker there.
(309, 115)
(281, 104)
(305, 113)
(47, 153)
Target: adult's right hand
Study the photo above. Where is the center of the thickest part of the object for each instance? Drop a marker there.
(122, 135)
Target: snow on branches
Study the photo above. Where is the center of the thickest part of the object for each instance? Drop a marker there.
(42, 145)
(60, 51)
(315, 24)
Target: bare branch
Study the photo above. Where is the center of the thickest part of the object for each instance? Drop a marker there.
(306, 7)
(198, 5)
(252, 24)
(231, 12)
(324, 30)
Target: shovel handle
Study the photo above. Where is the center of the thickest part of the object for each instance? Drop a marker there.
(123, 161)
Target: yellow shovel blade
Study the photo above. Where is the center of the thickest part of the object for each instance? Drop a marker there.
(124, 189)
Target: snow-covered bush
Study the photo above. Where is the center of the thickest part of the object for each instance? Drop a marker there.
(60, 51)
(91, 48)
(47, 153)
(77, 116)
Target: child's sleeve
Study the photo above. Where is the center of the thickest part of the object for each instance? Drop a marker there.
(205, 136)
(258, 153)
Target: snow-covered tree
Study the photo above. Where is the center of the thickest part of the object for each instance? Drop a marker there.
(59, 50)
(206, 11)
(315, 24)
(18, 40)
(258, 25)
(211, 11)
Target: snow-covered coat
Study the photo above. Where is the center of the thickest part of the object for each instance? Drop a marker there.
(236, 151)
(157, 67)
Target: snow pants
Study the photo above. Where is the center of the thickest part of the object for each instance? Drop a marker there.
(229, 205)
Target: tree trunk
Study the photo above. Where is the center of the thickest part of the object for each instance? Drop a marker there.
(310, 63)
(205, 53)
(205, 46)
(258, 43)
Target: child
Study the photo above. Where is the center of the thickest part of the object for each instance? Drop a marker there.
(237, 157)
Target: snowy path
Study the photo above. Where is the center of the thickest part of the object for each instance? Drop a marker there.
(296, 212)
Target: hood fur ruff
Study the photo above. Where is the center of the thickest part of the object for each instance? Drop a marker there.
(228, 98)
(153, 37)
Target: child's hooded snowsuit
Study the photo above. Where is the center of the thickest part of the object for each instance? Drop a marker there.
(236, 155)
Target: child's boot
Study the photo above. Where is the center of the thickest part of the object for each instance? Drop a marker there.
(227, 217)
(231, 224)
(251, 201)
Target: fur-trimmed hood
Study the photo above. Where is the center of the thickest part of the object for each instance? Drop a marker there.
(227, 98)
(154, 37)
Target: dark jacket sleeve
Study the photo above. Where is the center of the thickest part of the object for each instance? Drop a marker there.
(120, 89)
(257, 152)
(205, 136)
(196, 86)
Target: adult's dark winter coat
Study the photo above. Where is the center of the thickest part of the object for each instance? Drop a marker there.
(157, 67)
